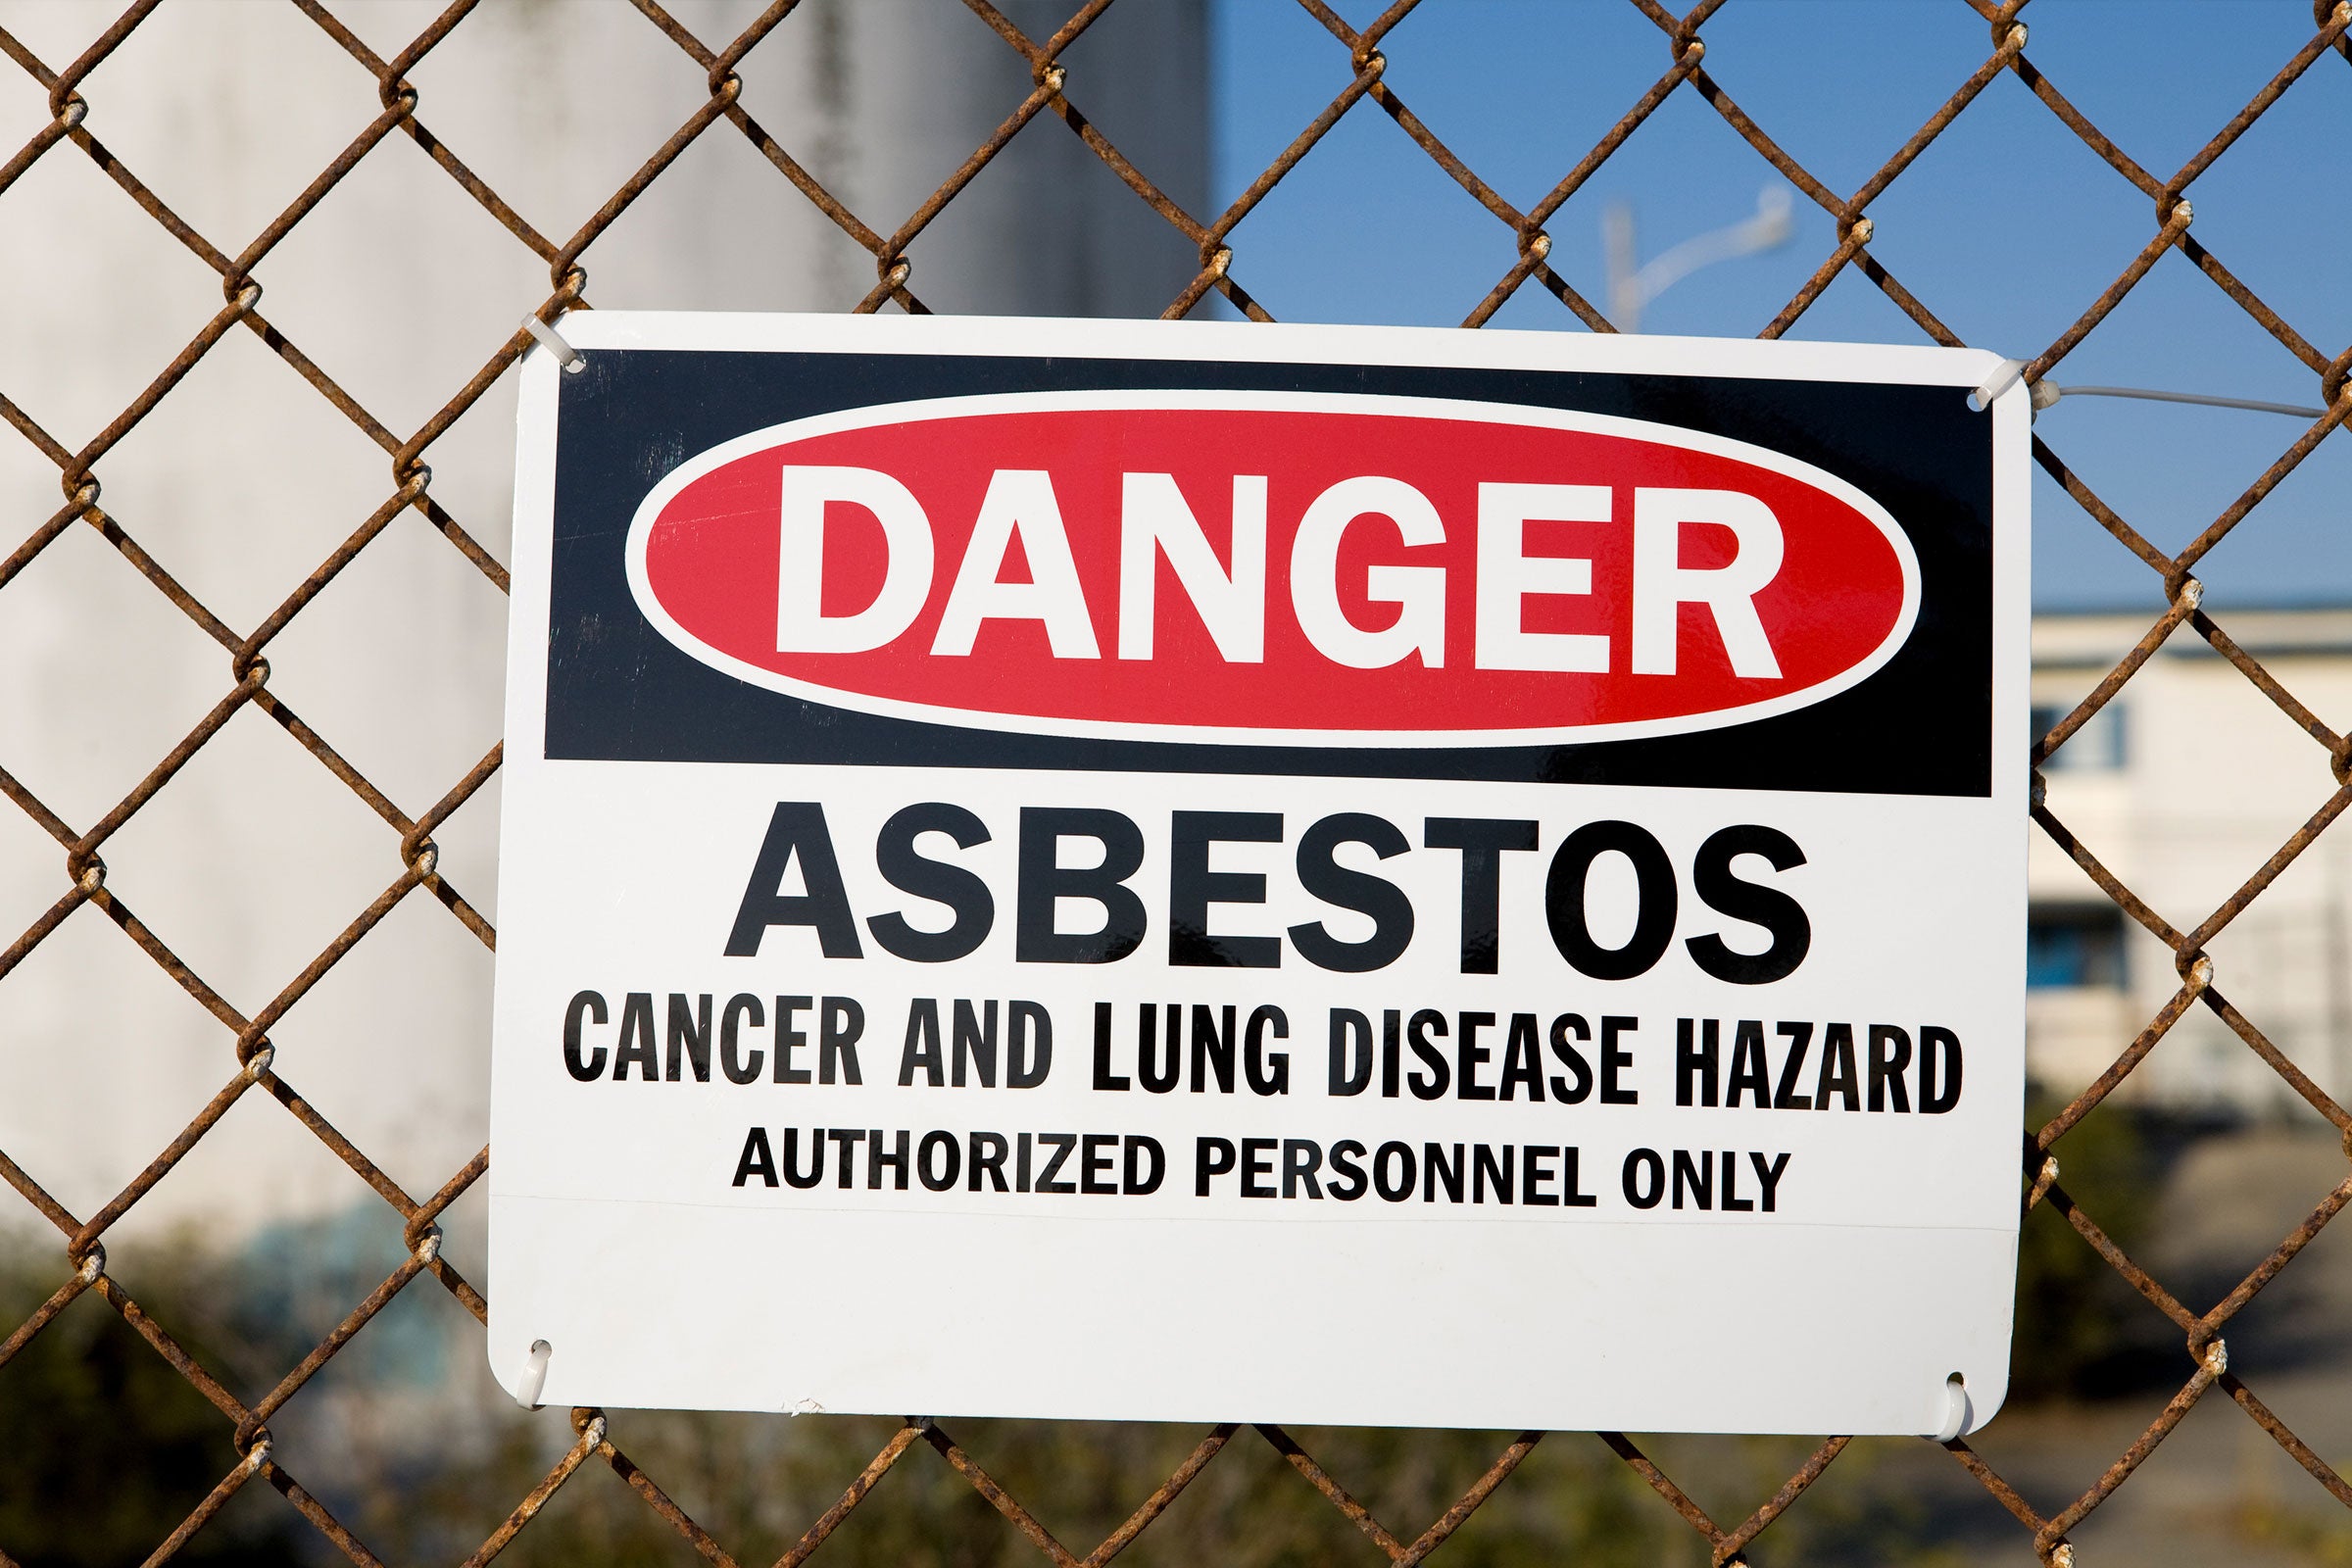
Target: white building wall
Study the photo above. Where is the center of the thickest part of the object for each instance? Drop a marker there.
(2209, 778)
(398, 286)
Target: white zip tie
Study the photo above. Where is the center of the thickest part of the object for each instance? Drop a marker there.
(2045, 393)
(2298, 409)
(534, 1375)
(566, 356)
(1955, 1409)
(2004, 377)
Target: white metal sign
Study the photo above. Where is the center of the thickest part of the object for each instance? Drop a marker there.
(1222, 872)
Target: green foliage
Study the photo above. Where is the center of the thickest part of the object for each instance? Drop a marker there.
(2083, 1332)
(759, 1481)
(104, 1447)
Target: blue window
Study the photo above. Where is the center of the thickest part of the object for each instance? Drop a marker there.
(2097, 747)
(2074, 945)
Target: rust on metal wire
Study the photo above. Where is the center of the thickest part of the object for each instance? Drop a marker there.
(1054, 96)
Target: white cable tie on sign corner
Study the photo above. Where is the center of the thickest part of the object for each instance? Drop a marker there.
(533, 1381)
(2004, 377)
(550, 339)
(2044, 394)
(1955, 1409)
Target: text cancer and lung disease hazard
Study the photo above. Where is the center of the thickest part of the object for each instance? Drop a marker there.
(1434, 831)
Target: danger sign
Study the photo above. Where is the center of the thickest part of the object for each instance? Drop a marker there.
(732, 556)
(1202, 872)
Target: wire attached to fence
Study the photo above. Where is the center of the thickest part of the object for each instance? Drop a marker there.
(2150, 395)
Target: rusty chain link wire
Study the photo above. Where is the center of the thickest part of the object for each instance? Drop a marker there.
(72, 131)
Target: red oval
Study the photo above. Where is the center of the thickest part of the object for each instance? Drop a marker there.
(704, 554)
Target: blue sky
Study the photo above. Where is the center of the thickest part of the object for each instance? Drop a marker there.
(2007, 228)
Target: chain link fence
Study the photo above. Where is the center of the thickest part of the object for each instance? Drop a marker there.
(1052, 107)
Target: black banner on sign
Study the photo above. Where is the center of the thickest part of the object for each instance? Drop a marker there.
(620, 690)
